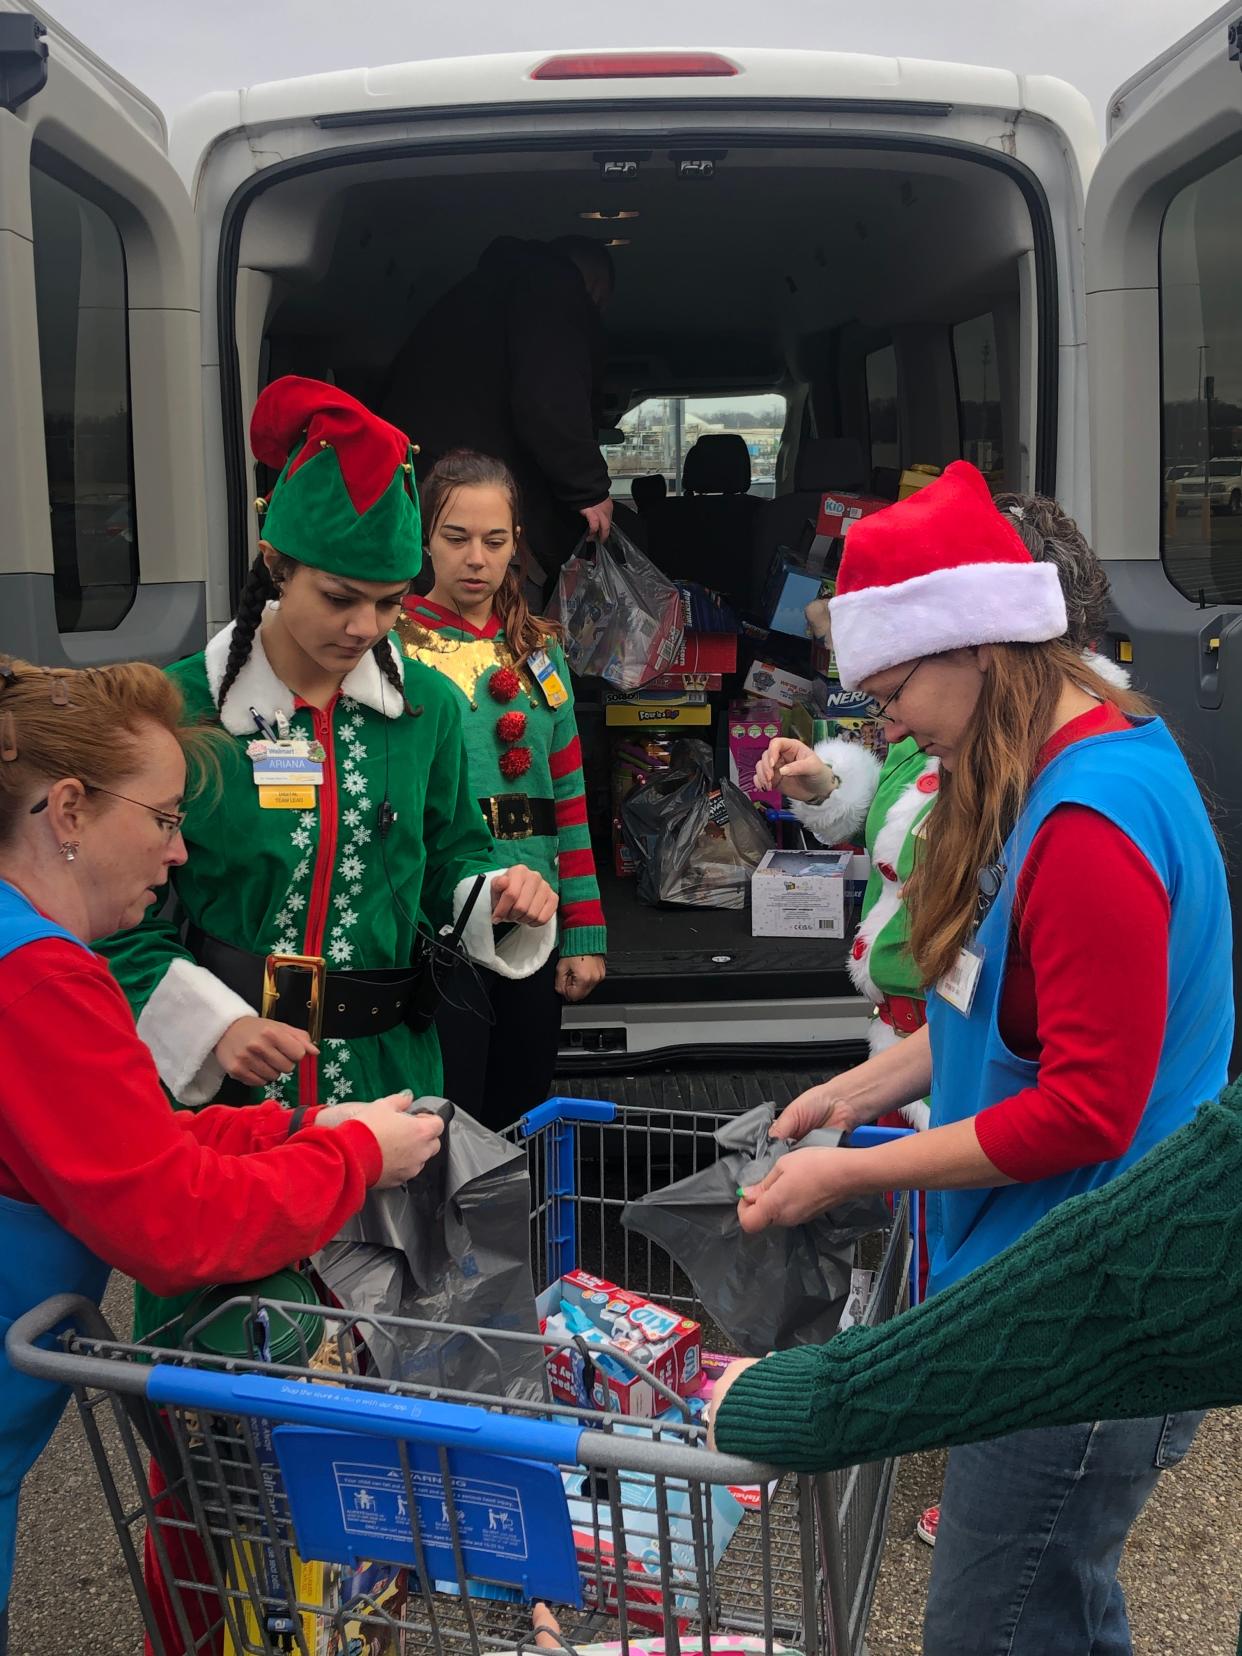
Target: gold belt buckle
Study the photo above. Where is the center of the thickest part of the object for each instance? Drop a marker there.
(317, 967)
(514, 807)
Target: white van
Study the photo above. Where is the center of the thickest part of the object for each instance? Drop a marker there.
(922, 257)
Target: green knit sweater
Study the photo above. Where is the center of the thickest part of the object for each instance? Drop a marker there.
(1121, 1303)
(470, 658)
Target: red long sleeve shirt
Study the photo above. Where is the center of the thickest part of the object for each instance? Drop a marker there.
(177, 1199)
(1086, 988)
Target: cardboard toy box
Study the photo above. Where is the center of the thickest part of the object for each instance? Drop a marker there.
(674, 1341)
(751, 727)
(791, 587)
(704, 652)
(358, 1607)
(799, 894)
(914, 478)
(838, 513)
(770, 683)
(641, 707)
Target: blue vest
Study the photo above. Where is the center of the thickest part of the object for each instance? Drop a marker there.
(1137, 779)
(37, 1259)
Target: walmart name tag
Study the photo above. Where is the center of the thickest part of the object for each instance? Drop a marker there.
(290, 763)
(959, 983)
(550, 681)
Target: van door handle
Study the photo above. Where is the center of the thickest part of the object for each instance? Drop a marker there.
(1215, 636)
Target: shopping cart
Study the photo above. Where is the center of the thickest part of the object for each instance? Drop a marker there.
(282, 1479)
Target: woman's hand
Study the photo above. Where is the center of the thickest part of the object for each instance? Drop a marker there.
(796, 770)
(827, 1105)
(522, 897)
(407, 1141)
(801, 1186)
(577, 975)
(257, 1050)
(720, 1389)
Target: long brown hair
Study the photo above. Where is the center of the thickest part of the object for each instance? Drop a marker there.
(464, 469)
(981, 799)
(86, 723)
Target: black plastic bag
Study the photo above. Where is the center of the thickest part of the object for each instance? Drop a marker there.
(696, 842)
(783, 1287)
(451, 1246)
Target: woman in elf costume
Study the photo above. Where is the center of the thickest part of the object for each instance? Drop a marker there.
(295, 960)
(842, 788)
(525, 764)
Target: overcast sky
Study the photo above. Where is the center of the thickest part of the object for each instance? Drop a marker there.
(175, 50)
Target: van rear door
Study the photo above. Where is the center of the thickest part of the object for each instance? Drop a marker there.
(101, 462)
(1163, 234)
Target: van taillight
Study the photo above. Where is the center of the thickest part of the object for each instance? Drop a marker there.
(632, 66)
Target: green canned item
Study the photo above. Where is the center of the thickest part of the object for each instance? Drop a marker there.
(294, 1337)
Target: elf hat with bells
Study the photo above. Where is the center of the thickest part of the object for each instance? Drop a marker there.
(345, 499)
(943, 570)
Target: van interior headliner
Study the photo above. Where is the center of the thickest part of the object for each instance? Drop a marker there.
(722, 283)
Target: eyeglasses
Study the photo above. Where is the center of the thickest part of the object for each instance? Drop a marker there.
(880, 709)
(171, 822)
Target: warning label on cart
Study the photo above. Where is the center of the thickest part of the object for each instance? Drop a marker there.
(375, 1507)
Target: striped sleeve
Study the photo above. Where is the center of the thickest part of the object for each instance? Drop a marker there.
(581, 917)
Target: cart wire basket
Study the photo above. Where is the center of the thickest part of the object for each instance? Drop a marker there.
(311, 1506)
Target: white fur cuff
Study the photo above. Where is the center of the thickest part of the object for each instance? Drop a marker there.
(841, 816)
(186, 1015)
(524, 949)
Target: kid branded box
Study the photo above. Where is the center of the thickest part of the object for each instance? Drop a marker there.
(598, 1313)
(800, 894)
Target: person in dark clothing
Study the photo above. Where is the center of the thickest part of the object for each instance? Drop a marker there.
(509, 363)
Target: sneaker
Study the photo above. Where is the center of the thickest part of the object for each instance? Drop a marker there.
(927, 1526)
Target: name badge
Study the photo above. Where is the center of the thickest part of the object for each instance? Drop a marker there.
(291, 762)
(550, 681)
(957, 986)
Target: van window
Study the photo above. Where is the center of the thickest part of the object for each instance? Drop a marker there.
(882, 408)
(979, 396)
(659, 431)
(81, 304)
(1201, 370)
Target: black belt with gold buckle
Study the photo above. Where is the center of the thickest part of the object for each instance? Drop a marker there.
(516, 816)
(299, 990)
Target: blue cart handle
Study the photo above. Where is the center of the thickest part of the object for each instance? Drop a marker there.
(376, 1414)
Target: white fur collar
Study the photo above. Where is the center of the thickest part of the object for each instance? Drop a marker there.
(257, 686)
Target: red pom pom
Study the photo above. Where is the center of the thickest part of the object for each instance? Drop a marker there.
(504, 684)
(515, 763)
(511, 727)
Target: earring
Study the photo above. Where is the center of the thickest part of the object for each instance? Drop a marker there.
(69, 849)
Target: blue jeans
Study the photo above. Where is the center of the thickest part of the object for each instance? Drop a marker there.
(1031, 1532)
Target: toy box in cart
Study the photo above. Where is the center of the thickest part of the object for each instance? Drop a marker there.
(598, 1313)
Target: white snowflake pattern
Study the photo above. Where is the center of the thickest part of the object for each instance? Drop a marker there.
(357, 750)
(295, 902)
(301, 871)
(357, 721)
(362, 836)
(332, 1072)
(340, 951)
(351, 867)
(355, 783)
(308, 819)
(301, 838)
(352, 818)
(286, 943)
(348, 917)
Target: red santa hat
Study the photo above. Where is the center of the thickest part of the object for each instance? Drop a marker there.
(943, 570)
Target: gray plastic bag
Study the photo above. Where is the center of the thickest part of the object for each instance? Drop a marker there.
(783, 1287)
(452, 1246)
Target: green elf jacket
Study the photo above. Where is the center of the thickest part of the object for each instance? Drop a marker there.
(313, 881)
(893, 801)
(469, 658)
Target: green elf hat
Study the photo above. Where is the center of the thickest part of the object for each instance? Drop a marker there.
(345, 499)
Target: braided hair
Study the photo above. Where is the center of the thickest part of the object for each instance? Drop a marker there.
(264, 584)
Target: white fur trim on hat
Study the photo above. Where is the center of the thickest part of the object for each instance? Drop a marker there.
(878, 627)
